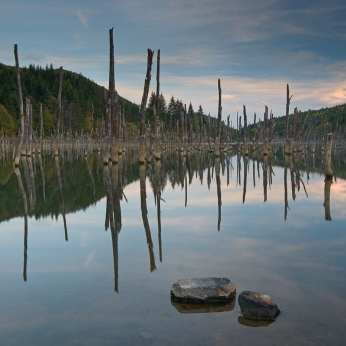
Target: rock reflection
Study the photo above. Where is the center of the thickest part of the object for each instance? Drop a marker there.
(254, 323)
(188, 308)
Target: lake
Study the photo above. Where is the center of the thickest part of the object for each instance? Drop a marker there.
(89, 253)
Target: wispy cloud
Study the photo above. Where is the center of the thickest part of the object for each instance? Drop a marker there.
(82, 18)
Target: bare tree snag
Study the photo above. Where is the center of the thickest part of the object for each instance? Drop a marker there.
(246, 144)
(218, 133)
(157, 142)
(41, 130)
(21, 111)
(328, 166)
(288, 146)
(142, 154)
(56, 152)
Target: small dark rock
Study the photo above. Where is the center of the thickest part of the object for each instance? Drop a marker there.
(188, 308)
(257, 306)
(204, 290)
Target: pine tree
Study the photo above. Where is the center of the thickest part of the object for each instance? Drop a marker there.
(170, 110)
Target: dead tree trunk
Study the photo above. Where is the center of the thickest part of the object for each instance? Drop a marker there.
(157, 142)
(246, 144)
(56, 151)
(41, 130)
(328, 166)
(142, 149)
(21, 111)
(288, 146)
(217, 139)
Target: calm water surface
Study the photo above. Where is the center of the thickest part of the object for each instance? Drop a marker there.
(66, 280)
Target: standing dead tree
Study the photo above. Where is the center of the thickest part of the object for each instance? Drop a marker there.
(328, 165)
(246, 144)
(21, 111)
(268, 130)
(297, 125)
(218, 133)
(157, 141)
(56, 151)
(142, 146)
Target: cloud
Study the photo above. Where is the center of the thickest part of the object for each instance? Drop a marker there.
(82, 18)
(89, 259)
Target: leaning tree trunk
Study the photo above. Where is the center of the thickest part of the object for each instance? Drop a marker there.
(21, 111)
(217, 139)
(142, 155)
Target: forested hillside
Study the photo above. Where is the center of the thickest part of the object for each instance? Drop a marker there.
(80, 94)
(41, 85)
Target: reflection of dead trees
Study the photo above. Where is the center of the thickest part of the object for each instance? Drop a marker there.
(25, 204)
(329, 173)
(296, 180)
(57, 166)
(90, 174)
(328, 181)
(113, 212)
(218, 187)
(158, 201)
(142, 179)
(246, 159)
(265, 177)
(285, 188)
(42, 174)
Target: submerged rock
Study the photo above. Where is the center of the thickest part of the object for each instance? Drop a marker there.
(203, 290)
(257, 306)
(202, 308)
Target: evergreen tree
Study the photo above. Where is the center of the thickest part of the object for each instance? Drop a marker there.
(171, 110)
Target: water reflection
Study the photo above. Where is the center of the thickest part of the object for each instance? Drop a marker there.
(84, 185)
(25, 205)
(254, 323)
(144, 210)
(188, 308)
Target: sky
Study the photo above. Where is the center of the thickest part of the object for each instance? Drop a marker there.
(255, 47)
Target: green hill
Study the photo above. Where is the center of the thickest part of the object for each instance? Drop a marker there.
(41, 85)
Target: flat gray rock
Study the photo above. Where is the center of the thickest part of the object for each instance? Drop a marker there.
(257, 306)
(205, 290)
